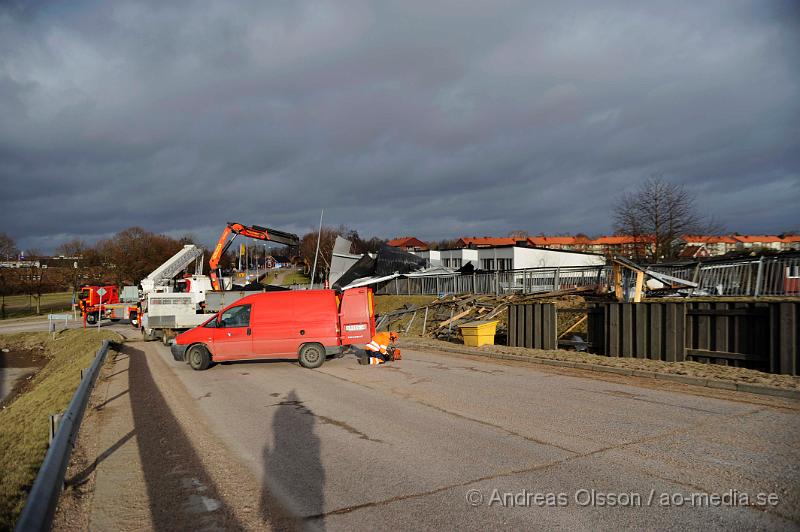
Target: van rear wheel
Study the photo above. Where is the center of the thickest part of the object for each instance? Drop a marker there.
(198, 357)
(312, 356)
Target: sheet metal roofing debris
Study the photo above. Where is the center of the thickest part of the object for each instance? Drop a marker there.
(388, 263)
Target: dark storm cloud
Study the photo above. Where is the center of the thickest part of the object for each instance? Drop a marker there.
(431, 118)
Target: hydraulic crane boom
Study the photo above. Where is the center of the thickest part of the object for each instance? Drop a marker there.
(250, 231)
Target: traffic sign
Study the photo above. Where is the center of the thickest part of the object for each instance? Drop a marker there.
(101, 292)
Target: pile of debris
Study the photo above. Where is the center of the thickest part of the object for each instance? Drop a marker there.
(441, 317)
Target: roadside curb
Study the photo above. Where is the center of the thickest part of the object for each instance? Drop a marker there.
(672, 377)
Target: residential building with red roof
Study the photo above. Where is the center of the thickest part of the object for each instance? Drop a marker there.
(791, 242)
(637, 248)
(631, 247)
(486, 241)
(408, 243)
(694, 252)
(745, 242)
(715, 244)
(577, 243)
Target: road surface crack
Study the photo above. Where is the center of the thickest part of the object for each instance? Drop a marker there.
(324, 420)
(541, 467)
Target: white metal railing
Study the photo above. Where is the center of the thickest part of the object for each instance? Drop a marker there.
(754, 277)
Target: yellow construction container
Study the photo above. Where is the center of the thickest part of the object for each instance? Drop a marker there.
(478, 333)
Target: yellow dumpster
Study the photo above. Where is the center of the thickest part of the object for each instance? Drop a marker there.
(478, 333)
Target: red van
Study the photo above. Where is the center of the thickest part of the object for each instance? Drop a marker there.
(304, 324)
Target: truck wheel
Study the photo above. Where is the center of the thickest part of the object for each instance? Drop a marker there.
(198, 357)
(165, 338)
(91, 318)
(148, 336)
(312, 356)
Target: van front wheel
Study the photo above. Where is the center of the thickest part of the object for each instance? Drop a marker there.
(312, 356)
(198, 357)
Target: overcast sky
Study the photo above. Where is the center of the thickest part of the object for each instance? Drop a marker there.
(435, 119)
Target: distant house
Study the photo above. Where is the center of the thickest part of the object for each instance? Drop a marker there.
(473, 248)
(487, 241)
(575, 243)
(715, 244)
(694, 252)
(791, 242)
(746, 242)
(408, 243)
(20, 264)
(623, 245)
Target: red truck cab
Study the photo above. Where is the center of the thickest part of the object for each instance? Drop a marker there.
(92, 304)
(306, 325)
(89, 296)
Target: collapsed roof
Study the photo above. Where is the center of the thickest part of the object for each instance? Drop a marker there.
(388, 263)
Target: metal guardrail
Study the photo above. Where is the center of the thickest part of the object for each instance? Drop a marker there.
(43, 498)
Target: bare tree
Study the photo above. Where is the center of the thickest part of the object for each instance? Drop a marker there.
(446, 243)
(131, 254)
(36, 279)
(656, 214)
(8, 248)
(73, 248)
(308, 248)
(9, 281)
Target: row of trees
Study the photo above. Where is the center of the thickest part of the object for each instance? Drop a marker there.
(130, 255)
(125, 258)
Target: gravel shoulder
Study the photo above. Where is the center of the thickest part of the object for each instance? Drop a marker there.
(145, 458)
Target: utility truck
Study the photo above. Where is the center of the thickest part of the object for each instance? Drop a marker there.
(170, 304)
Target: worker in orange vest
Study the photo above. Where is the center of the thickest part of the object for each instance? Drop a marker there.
(381, 349)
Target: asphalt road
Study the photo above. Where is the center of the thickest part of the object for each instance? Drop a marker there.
(442, 441)
(40, 324)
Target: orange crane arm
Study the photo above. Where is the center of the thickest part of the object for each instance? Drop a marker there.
(250, 231)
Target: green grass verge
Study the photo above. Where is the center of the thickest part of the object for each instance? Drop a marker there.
(24, 422)
(295, 278)
(21, 305)
(384, 304)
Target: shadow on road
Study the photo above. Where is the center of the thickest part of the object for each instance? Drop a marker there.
(293, 474)
(181, 493)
